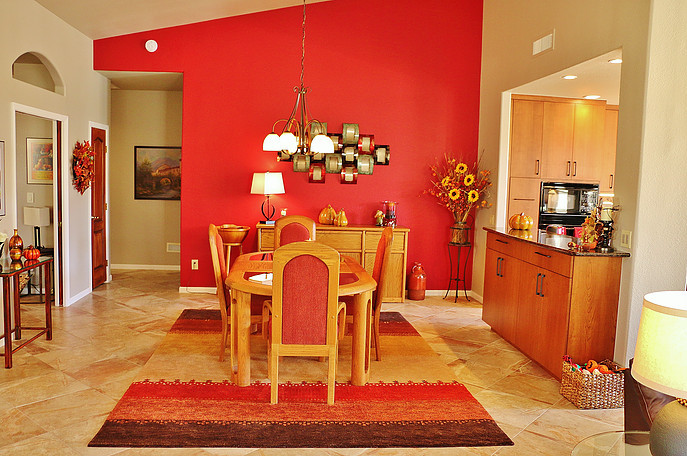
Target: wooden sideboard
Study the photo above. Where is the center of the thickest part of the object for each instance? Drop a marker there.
(358, 242)
(550, 302)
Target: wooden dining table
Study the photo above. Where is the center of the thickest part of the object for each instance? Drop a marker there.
(354, 281)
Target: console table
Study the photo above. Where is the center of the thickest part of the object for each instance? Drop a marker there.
(9, 273)
(360, 243)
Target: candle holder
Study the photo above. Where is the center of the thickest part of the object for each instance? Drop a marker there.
(389, 214)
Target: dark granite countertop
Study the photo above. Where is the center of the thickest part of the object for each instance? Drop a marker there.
(556, 241)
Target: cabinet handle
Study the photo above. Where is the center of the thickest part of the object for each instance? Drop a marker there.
(567, 169)
(501, 241)
(541, 286)
(498, 267)
(536, 288)
(536, 167)
(542, 254)
(610, 181)
(574, 168)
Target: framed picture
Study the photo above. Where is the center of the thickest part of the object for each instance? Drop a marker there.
(2, 178)
(157, 173)
(39, 161)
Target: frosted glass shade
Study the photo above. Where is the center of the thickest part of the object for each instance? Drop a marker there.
(271, 143)
(322, 144)
(661, 348)
(267, 184)
(288, 142)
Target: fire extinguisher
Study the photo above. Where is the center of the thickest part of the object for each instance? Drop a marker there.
(417, 282)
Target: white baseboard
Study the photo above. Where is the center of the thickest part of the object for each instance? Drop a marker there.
(73, 299)
(153, 267)
(208, 290)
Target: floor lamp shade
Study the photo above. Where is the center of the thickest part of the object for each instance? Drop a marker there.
(661, 363)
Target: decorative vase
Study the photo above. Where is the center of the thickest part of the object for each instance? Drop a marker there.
(460, 233)
(15, 246)
(417, 283)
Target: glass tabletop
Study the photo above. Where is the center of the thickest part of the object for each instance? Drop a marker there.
(9, 267)
(616, 443)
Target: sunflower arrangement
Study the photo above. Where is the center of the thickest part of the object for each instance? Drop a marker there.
(83, 165)
(459, 187)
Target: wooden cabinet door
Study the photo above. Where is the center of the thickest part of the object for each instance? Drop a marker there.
(557, 141)
(526, 138)
(523, 196)
(607, 176)
(501, 282)
(528, 313)
(588, 140)
(554, 294)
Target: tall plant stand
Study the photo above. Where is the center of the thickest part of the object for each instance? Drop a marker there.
(459, 275)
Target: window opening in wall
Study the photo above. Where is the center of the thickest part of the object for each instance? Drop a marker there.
(36, 70)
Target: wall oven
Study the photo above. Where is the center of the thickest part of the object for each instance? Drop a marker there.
(567, 204)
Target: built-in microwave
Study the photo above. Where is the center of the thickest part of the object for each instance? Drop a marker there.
(566, 203)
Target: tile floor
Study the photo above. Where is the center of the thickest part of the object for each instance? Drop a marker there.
(59, 392)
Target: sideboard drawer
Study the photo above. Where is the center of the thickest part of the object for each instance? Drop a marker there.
(341, 240)
(398, 244)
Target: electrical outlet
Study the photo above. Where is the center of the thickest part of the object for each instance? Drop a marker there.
(625, 238)
(194, 264)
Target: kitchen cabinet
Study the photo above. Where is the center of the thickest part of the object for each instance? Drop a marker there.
(526, 137)
(358, 242)
(572, 140)
(607, 177)
(523, 196)
(549, 302)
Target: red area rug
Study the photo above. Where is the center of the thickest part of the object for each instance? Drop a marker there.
(208, 321)
(210, 414)
(182, 414)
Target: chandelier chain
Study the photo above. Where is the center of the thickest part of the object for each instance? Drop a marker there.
(303, 47)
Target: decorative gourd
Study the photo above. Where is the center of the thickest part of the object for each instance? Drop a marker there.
(521, 221)
(31, 253)
(327, 215)
(522, 234)
(341, 219)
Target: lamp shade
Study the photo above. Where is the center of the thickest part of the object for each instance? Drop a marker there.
(271, 143)
(661, 352)
(37, 216)
(267, 184)
(322, 144)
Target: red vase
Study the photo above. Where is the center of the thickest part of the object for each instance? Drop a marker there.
(417, 283)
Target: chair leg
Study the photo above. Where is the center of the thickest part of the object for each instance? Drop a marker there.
(342, 323)
(223, 342)
(274, 368)
(375, 332)
(331, 377)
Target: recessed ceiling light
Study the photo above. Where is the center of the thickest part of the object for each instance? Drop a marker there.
(569, 76)
(592, 97)
(615, 61)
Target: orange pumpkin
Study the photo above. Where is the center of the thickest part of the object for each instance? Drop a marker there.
(521, 221)
(522, 234)
(31, 253)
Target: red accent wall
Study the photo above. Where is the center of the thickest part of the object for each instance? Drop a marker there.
(406, 71)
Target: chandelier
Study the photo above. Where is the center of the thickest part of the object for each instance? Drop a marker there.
(300, 135)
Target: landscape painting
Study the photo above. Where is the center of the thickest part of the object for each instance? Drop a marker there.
(157, 173)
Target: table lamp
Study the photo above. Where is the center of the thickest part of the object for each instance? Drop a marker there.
(267, 184)
(37, 217)
(661, 363)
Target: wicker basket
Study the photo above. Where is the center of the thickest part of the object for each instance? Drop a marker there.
(586, 391)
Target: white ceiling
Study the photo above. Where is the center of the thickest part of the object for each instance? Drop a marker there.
(104, 18)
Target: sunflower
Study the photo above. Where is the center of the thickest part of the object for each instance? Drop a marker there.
(445, 181)
(453, 194)
(469, 179)
(461, 168)
(473, 195)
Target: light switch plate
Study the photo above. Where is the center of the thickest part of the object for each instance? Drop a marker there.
(29, 197)
(625, 238)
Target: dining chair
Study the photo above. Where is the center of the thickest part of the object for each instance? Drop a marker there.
(221, 270)
(293, 228)
(379, 273)
(305, 310)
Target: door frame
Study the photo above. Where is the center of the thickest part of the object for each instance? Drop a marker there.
(107, 200)
(62, 291)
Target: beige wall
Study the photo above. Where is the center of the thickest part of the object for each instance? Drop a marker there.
(26, 26)
(141, 229)
(583, 29)
(32, 127)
